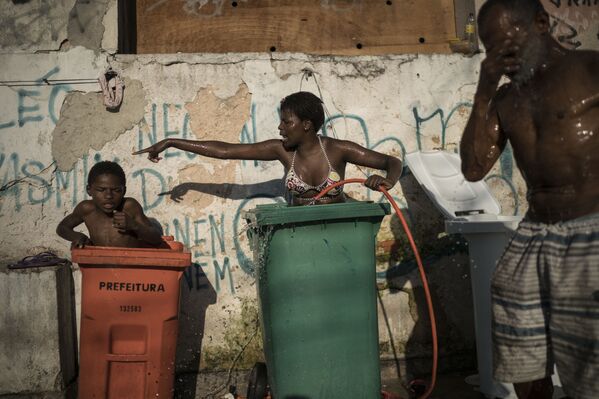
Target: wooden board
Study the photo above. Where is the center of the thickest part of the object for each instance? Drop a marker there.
(349, 27)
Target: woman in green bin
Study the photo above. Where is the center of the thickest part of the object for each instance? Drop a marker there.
(313, 162)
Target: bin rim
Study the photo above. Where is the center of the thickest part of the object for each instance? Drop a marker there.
(92, 256)
(281, 214)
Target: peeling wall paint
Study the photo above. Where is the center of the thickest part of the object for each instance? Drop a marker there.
(86, 27)
(51, 135)
(33, 25)
(43, 25)
(85, 123)
(212, 116)
(110, 37)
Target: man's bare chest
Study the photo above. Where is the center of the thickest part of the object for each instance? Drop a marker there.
(543, 113)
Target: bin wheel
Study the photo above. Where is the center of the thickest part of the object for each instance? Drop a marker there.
(258, 381)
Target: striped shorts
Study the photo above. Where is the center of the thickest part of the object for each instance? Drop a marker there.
(545, 298)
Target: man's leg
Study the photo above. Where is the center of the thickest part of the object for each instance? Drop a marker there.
(572, 251)
(539, 389)
(520, 300)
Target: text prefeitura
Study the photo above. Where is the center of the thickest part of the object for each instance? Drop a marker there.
(116, 286)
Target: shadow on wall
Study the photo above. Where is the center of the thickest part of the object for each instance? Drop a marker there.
(446, 266)
(196, 295)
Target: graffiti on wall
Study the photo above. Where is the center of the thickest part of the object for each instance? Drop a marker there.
(573, 19)
(30, 106)
(217, 239)
(574, 3)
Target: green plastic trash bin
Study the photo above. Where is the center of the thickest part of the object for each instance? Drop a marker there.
(315, 273)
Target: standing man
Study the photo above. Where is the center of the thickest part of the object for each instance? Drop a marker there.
(546, 286)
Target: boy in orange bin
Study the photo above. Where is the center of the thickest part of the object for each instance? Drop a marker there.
(112, 219)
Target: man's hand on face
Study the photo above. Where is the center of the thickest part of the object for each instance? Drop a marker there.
(501, 60)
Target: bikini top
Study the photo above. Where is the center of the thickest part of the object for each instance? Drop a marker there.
(297, 186)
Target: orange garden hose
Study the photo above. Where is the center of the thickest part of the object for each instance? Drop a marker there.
(429, 301)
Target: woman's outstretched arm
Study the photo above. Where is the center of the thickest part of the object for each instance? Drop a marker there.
(269, 150)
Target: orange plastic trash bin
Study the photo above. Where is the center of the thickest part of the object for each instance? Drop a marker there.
(129, 320)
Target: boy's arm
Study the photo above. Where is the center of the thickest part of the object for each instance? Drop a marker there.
(72, 220)
(134, 220)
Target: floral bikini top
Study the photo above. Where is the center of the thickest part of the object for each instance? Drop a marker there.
(298, 187)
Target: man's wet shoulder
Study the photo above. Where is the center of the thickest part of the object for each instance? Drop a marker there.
(589, 55)
(591, 60)
(581, 61)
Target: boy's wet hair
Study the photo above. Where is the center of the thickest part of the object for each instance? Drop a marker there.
(106, 168)
(522, 10)
(306, 106)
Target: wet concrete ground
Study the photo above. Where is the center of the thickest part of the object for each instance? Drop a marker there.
(450, 385)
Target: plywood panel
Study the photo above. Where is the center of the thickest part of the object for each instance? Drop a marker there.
(308, 26)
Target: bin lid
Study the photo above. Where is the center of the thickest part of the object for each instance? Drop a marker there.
(271, 214)
(440, 175)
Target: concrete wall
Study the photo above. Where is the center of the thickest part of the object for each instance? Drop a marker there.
(20, 333)
(50, 135)
(38, 338)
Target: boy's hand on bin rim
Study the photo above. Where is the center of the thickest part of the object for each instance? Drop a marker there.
(123, 222)
(81, 241)
(153, 151)
(374, 182)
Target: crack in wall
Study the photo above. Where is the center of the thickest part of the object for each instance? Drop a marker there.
(25, 179)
